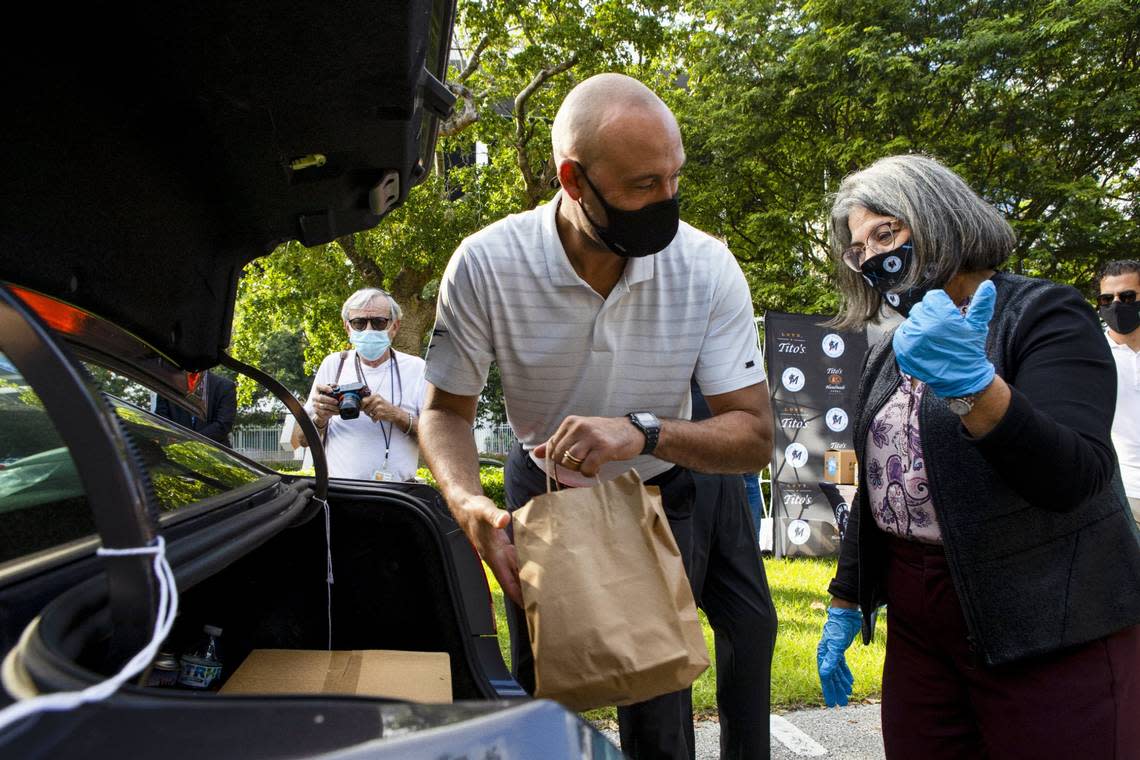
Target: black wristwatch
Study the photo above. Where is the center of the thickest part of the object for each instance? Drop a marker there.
(648, 424)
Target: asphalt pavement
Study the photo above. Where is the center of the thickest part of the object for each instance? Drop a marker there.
(852, 733)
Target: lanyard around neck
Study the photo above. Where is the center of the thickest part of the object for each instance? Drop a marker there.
(395, 379)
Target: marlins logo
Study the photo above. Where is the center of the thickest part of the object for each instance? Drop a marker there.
(833, 345)
(793, 379)
(799, 532)
(796, 454)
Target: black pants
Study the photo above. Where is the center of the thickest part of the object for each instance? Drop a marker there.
(729, 584)
(712, 526)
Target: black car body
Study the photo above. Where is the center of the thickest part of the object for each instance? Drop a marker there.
(153, 151)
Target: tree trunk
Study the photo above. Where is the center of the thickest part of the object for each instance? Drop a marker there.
(419, 313)
(407, 288)
(419, 318)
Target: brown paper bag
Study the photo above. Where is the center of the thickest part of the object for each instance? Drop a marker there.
(609, 609)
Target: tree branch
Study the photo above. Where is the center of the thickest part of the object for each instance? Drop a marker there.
(371, 271)
(467, 115)
(473, 62)
(535, 188)
(464, 117)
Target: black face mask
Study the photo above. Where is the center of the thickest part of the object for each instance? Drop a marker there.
(633, 234)
(1121, 318)
(885, 271)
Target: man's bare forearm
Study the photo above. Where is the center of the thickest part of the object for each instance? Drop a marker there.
(733, 442)
(448, 447)
(737, 438)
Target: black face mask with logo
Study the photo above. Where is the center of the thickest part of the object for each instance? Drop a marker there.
(634, 234)
(1122, 318)
(885, 271)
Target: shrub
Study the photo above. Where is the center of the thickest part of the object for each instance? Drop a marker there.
(292, 466)
(490, 477)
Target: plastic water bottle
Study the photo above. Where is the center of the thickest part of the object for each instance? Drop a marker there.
(201, 669)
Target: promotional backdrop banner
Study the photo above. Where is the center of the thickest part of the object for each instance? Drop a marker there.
(813, 376)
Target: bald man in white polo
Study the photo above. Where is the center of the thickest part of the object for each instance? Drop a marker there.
(599, 308)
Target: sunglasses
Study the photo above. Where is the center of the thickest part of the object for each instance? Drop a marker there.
(1125, 296)
(362, 323)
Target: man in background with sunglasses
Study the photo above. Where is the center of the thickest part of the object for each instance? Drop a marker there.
(369, 432)
(1119, 283)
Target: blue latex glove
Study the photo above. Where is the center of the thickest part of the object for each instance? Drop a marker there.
(944, 349)
(838, 633)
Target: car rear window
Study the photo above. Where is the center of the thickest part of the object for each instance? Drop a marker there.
(184, 468)
(42, 502)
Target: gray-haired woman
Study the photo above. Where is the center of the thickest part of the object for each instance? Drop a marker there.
(990, 513)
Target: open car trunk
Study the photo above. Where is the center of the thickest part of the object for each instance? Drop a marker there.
(403, 572)
(252, 559)
(398, 563)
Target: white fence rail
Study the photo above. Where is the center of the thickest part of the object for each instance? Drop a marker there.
(261, 444)
(496, 439)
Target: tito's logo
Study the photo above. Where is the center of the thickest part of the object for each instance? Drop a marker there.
(792, 418)
(791, 343)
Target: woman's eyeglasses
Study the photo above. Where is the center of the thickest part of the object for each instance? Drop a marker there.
(881, 240)
(1125, 296)
(362, 323)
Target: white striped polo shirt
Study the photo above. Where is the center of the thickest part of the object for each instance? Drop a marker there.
(510, 295)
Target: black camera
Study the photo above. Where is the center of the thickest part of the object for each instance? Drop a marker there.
(349, 396)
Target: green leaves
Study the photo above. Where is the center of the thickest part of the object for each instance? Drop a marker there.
(1034, 104)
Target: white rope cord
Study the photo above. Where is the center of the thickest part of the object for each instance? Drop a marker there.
(164, 621)
(329, 563)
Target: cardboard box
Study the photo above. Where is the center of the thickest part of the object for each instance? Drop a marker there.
(412, 676)
(839, 466)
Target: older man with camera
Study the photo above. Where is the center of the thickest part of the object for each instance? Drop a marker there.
(366, 401)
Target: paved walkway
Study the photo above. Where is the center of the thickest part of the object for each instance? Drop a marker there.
(852, 733)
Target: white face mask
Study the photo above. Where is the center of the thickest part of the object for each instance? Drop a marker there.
(370, 344)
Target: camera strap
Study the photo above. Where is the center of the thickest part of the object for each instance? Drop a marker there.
(336, 379)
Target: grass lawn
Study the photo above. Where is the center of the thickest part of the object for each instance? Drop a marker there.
(799, 589)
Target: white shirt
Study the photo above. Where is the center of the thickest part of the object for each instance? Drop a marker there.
(364, 449)
(510, 295)
(1126, 423)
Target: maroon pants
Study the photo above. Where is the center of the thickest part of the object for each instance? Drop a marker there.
(940, 701)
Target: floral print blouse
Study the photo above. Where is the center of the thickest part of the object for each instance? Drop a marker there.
(896, 475)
